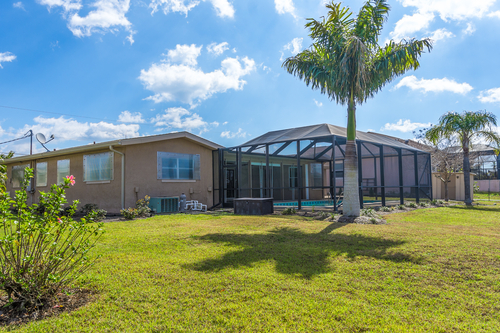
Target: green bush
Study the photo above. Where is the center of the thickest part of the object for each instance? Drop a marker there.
(370, 212)
(423, 204)
(288, 211)
(385, 209)
(401, 207)
(87, 208)
(142, 207)
(129, 213)
(411, 204)
(42, 253)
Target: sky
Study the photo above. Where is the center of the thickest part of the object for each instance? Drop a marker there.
(98, 70)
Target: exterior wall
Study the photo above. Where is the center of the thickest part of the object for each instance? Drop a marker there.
(106, 196)
(456, 187)
(140, 173)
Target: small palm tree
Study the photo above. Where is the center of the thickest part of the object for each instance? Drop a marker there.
(346, 63)
(468, 127)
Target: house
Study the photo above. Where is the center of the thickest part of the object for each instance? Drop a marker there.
(115, 174)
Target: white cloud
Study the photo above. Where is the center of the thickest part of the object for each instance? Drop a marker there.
(441, 34)
(490, 95)
(6, 57)
(189, 84)
(67, 5)
(185, 54)
(67, 129)
(223, 8)
(318, 104)
(447, 10)
(218, 49)
(434, 85)
(470, 29)
(495, 14)
(225, 123)
(129, 117)
(285, 6)
(19, 5)
(404, 126)
(231, 135)
(410, 24)
(295, 46)
(451, 9)
(181, 119)
(130, 37)
(108, 16)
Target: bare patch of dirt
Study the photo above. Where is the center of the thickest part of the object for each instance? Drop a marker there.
(67, 301)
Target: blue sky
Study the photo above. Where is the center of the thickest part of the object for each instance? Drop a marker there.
(108, 69)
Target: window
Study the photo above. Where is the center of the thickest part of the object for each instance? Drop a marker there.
(98, 167)
(18, 174)
(178, 166)
(317, 174)
(62, 170)
(41, 174)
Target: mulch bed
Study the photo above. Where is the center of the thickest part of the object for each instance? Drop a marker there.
(63, 302)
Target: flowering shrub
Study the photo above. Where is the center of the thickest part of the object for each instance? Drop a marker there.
(142, 207)
(129, 213)
(42, 251)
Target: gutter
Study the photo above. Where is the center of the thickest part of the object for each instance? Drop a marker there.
(122, 176)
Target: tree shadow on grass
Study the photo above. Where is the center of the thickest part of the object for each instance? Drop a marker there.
(297, 253)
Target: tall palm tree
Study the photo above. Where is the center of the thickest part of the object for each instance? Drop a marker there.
(467, 126)
(346, 63)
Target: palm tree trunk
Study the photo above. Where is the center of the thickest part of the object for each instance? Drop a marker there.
(351, 187)
(468, 199)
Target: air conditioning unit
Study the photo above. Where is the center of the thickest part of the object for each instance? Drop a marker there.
(164, 204)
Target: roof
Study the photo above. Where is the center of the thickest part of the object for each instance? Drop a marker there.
(123, 142)
(320, 131)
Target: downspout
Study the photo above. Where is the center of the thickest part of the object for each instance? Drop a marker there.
(123, 175)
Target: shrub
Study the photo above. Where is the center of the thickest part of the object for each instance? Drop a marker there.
(401, 207)
(411, 204)
(42, 253)
(423, 204)
(288, 211)
(385, 209)
(142, 207)
(323, 215)
(129, 213)
(434, 202)
(370, 212)
(87, 208)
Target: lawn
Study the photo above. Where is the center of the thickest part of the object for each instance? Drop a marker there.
(428, 270)
(486, 196)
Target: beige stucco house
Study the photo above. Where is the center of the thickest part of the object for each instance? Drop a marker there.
(115, 174)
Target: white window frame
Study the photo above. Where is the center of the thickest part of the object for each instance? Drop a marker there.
(23, 168)
(38, 184)
(101, 179)
(195, 166)
(61, 180)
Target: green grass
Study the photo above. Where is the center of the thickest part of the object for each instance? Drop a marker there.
(485, 196)
(428, 270)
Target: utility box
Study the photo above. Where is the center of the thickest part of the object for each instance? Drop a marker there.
(253, 206)
(164, 204)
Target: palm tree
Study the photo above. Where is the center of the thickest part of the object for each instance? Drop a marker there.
(346, 63)
(467, 126)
